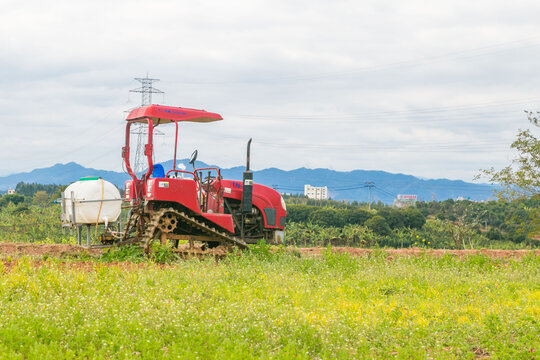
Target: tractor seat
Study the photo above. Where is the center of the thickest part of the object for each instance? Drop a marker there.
(158, 171)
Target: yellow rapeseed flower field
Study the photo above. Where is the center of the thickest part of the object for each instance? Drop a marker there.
(271, 306)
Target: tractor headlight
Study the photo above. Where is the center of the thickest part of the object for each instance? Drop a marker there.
(283, 205)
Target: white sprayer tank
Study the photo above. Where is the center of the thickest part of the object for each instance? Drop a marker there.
(89, 207)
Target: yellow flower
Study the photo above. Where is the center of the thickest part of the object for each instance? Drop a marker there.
(423, 239)
(417, 236)
(428, 242)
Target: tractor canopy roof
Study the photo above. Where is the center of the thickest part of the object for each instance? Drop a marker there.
(161, 114)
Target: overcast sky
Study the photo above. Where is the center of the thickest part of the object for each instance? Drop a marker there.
(434, 89)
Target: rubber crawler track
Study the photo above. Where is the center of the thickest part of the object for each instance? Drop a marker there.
(221, 236)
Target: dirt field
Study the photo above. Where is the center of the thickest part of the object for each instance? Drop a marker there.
(89, 265)
(56, 250)
(61, 250)
(316, 251)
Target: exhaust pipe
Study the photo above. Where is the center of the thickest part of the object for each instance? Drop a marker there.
(247, 187)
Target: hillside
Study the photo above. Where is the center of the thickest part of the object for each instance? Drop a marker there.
(341, 185)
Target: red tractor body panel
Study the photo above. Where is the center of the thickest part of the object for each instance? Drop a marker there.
(185, 192)
(223, 220)
(181, 191)
(266, 199)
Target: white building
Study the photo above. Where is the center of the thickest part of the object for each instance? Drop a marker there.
(11, 191)
(316, 192)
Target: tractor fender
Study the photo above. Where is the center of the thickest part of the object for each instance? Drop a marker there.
(265, 199)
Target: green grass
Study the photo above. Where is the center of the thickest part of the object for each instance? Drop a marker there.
(272, 306)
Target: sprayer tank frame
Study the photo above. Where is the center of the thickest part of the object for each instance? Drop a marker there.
(79, 198)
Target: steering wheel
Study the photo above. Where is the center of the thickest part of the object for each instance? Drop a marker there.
(207, 182)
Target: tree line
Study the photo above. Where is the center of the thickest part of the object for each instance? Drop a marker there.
(32, 193)
(496, 221)
(381, 221)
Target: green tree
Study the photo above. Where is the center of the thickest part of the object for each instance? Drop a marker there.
(59, 191)
(378, 225)
(413, 218)
(355, 216)
(40, 198)
(327, 217)
(299, 212)
(29, 189)
(394, 217)
(522, 177)
(11, 198)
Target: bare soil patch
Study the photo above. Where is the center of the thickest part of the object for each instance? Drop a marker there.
(56, 250)
(63, 250)
(504, 254)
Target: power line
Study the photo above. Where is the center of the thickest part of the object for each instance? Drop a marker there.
(385, 192)
(440, 147)
(421, 115)
(463, 53)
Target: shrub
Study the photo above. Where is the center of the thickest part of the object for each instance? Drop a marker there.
(125, 253)
(162, 254)
(299, 212)
(394, 217)
(413, 218)
(379, 225)
(494, 234)
(327, 217)
(11, 198)
(355, 216)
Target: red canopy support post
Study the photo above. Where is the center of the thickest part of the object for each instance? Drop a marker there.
(175, 144)
(125, 156)
(148, 150)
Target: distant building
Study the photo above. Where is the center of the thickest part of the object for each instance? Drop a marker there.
(316, 192)
(405, 200)
(11, 191)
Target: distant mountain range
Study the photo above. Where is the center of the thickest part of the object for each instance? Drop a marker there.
(341, 185)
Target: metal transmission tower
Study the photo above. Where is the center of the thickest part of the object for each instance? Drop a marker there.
(146, 90)
(141, 130)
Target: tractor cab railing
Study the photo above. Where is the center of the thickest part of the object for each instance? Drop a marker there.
(176, 171)
(209, 169)
(208, 185)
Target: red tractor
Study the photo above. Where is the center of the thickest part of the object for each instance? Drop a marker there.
(171, 205)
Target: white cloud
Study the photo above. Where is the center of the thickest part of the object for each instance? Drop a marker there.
(399, 86)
